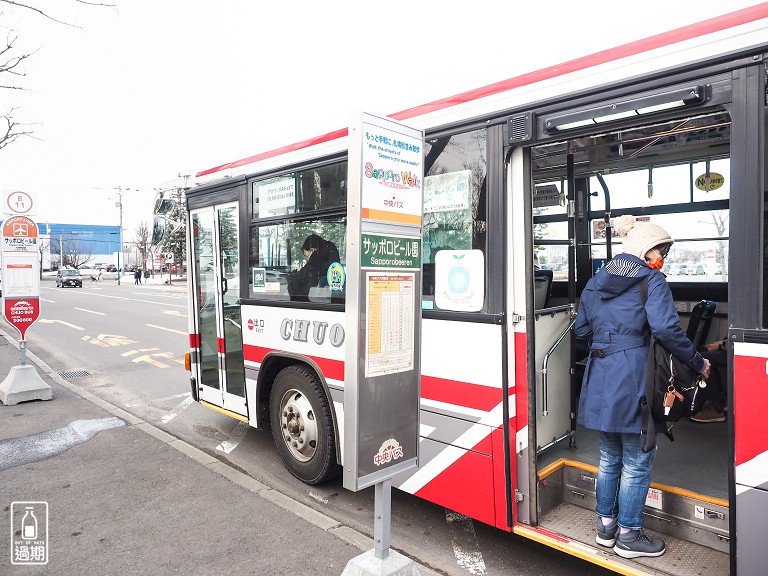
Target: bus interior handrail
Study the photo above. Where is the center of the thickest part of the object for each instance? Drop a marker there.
(545, 362)
(553, 310)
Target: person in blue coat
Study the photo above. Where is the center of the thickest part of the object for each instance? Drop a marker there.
(612, 315)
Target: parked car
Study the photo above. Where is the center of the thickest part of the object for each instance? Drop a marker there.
(696, 270)
(69, 277)
(678, 269)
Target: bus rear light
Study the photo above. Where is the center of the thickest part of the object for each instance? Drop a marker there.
(187, 362)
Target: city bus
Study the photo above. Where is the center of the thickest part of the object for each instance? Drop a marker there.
(522, 179)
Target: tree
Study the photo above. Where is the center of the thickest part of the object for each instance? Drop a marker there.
(141, 241)
(12, 69)
(42, 248)
(71, 253)
(175, 234)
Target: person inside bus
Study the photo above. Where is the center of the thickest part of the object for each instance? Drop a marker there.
(320, 254)
(619, 318)
(713, 409)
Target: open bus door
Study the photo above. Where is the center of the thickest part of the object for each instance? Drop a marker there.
(688, 503)
(216, 269)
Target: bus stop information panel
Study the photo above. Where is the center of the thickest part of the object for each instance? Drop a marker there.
(382, 358)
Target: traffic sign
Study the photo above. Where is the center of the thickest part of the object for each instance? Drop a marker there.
(19, 203)
(169, 257)
(20, 272)
(19, 235)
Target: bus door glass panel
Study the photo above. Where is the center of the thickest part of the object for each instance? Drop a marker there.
(217, 300)
(205, 304)
(229, 269)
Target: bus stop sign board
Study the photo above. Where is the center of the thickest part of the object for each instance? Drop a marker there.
(382, 367)
(20, 273)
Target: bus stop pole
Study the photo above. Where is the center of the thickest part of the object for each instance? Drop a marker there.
(382, 518)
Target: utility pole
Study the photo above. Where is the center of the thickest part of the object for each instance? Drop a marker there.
(119, 204)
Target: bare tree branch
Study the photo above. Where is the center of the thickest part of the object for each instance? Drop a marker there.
(48, 16)
(10, 66)
(11, 130)
(9, 62)
(38, 10)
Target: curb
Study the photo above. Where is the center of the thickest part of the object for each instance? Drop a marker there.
(306, 513)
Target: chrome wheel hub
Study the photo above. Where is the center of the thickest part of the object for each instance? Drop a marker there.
(298, 425)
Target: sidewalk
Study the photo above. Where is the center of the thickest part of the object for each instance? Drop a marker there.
(133, 499)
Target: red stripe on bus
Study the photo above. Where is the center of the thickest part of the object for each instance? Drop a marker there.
(333, 369)
(278, 151)
(194, 340)
(460, 393)
(473, 473)
(675, 36)
(750, 425)
(688, 32)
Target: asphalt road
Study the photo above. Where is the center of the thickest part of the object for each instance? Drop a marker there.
(126, 344)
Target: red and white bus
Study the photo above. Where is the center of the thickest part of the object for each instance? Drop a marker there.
(520, 180)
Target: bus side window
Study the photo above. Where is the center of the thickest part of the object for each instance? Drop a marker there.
(454, 201)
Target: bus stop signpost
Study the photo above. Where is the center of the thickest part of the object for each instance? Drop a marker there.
(383, 321)
(20, 271)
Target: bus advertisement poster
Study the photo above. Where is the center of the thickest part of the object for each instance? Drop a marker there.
(392, 181)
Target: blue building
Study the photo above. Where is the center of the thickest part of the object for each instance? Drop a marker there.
(86, 244)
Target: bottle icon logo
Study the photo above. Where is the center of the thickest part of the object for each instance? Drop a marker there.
(29, 524)
(29, 533)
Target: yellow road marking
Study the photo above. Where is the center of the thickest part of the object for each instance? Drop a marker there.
(149, 360)
(132, 352)
(167, 329)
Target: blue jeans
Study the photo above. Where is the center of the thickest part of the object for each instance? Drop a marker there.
(623, 478)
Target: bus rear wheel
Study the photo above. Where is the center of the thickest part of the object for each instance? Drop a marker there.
(302, 425)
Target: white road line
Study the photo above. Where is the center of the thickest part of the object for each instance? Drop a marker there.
(177, 410)
(90, 311)
(158, 399)
(167, 329)
(49, 301)
(465, 546)
(234, 439)
(135, 300)
(47, 321)
(182, 395)
(172, 296)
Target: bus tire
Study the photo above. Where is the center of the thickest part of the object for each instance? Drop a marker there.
(302, 425)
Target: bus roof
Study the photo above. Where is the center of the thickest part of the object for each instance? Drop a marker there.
(750, 15)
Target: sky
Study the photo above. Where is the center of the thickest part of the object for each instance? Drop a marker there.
(126, 98)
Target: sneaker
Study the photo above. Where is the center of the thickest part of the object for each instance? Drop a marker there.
(606, 535)
(636, 543)
(708, 413)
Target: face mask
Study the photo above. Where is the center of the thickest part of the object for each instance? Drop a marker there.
(656, 263)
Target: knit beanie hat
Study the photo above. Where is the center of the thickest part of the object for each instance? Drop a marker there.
(639, 237)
